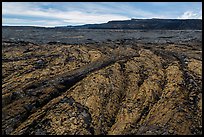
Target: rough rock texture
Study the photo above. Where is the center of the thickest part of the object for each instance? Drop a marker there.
(113, 88)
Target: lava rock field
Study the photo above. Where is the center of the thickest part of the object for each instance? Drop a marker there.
(101, 82)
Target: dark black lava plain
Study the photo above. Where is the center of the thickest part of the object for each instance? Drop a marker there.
(40, 35)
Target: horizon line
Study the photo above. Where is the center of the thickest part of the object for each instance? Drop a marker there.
(8, 25)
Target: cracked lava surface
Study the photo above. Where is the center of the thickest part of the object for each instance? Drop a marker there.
(109, 88)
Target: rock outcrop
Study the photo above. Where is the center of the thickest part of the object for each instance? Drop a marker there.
(148, 24)
(134, 89)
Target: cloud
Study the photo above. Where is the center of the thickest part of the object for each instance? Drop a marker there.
(80, 13)
(72, 13)
(50, 14)
(26, 22)
(191, 15)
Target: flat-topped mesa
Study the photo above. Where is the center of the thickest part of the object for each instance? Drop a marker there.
(151, 24)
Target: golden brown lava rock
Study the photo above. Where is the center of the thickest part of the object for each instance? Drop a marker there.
(87, 89)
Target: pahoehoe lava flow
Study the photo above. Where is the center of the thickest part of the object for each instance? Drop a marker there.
(126, 86)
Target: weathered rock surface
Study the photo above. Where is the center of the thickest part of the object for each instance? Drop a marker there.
(124, 88)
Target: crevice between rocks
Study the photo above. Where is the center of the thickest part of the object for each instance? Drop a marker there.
(64, 82)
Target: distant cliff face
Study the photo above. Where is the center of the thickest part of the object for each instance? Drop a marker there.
(150, 24)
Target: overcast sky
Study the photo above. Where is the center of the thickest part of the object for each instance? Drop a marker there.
(78, 13)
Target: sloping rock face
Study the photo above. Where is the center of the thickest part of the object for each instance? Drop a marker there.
(152, 24)
(138, 89)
